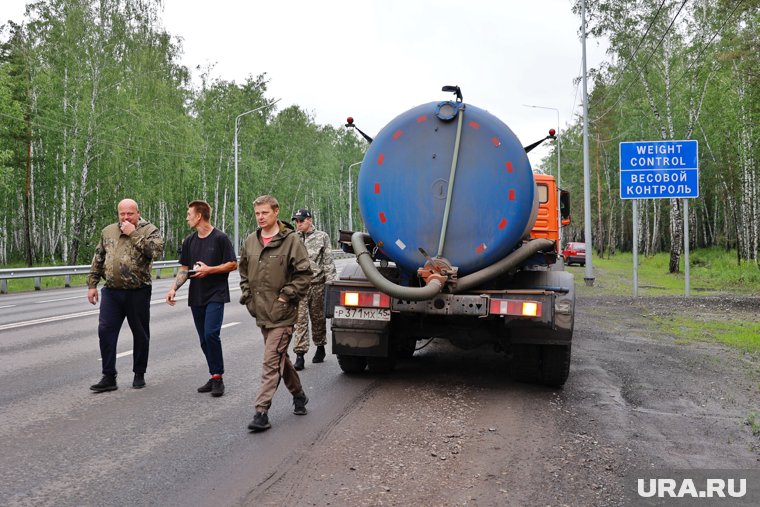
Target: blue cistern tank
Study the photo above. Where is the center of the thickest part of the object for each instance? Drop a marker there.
(413, 194)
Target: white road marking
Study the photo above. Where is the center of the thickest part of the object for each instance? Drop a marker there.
(230, 324)
(127, 353)
(47, 319)
(17, 325)
(59, 299)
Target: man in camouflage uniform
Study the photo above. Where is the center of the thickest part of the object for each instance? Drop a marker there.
(122, 258)
(312, 307)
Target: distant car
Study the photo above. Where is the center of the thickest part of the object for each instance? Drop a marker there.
(574, 253)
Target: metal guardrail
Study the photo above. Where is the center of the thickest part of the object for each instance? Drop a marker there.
(68, 271)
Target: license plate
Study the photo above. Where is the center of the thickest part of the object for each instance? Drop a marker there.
(341, 312)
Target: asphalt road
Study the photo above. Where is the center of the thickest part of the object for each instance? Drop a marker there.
(447, 428)
(63, 444)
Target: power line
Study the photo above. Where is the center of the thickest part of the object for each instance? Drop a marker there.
(646, 64)
(718, 31)
(636, 51)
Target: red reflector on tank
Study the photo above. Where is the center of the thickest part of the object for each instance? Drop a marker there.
(365, 299)
(515, 307)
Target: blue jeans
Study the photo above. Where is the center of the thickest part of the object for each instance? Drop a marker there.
(115, 305)
(208, 322)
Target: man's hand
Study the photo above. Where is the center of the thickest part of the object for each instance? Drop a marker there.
(92, 295)
(201, 269)
(127, 227)
(170, 297)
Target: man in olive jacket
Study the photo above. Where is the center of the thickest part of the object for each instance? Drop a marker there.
(275, 274)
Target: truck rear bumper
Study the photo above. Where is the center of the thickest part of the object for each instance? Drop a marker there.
(463, 318)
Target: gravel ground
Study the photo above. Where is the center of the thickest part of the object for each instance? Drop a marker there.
(450, 428)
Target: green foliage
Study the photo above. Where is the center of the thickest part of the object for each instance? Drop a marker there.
(675, 72)
(94, 92)
(753, 421)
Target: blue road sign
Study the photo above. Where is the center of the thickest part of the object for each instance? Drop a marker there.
(659, 170)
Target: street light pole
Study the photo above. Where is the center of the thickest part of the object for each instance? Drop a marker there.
(237, 120)
(351, 199)
(559, 192)
(589, 275)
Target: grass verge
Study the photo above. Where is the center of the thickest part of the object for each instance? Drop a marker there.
(51, 282)
(741, 334)
(713, 272)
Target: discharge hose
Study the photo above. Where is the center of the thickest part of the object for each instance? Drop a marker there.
(365, 261)
(500, 267)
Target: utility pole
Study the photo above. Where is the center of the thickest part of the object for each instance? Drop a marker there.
(589, 275)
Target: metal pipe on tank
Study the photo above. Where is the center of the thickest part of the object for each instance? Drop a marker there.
(452, 175)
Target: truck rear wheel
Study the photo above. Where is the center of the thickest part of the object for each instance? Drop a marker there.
(555, 364)
(381, 364)
(352, 364)
(406, 349)
(544, 364)
(525, 363)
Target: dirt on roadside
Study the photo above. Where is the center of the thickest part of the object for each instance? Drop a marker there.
(450, 428)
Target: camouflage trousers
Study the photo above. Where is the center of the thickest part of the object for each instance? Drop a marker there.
(311, 308)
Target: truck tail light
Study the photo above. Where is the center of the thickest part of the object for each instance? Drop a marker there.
(365, 299)
(515, 307)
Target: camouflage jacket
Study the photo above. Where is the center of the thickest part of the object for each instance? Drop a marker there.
(317, 243)
(124, 261)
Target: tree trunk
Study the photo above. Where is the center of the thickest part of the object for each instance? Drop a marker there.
(78, 210)
(599, 222)
(676, 227)
(27, 203)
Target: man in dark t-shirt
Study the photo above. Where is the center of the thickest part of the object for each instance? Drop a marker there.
(209, 251)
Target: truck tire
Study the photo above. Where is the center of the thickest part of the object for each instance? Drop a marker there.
(381, 364)
(352, 364)
(525, 363)
(555, 364)
(406, 348)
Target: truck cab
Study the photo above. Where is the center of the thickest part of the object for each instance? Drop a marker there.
(549, 220)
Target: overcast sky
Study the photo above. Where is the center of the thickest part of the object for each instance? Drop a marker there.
(375, 59)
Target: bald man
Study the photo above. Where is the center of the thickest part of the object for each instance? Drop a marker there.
(122, 259)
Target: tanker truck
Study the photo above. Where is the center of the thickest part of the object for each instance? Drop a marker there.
(461, 244)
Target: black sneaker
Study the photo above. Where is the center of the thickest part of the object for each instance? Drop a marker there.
(299, 404)
(205, 388)
(217, 387)
(319, 355)
(139, 381)
(107, 383)
(299, 364)
(260, 422)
